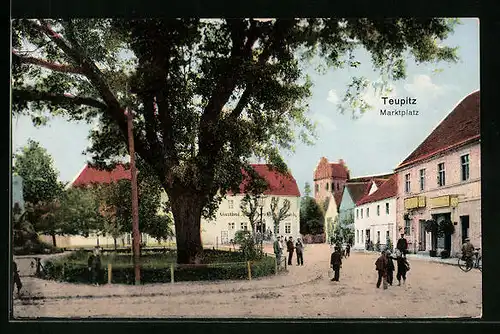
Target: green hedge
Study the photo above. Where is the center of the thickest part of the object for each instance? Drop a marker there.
(217, 266)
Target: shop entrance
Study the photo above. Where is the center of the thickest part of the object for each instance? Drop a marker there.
(464, 223)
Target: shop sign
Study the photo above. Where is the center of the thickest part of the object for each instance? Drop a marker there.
(411, 203)
(440, 202)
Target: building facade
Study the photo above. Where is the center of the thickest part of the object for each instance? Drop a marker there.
(441, 181)
(329, 178)
(331, 218)
(229, 217)
(375, 216)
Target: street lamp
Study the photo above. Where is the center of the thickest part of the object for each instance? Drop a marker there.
(260, 204)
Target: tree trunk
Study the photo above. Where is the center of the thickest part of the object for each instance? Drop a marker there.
(54, 239)
(186, 209)
(116, 246)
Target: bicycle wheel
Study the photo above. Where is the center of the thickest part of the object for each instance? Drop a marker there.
(463, 265)
(480, 264)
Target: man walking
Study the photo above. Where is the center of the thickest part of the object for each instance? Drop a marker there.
(290, 248)
(277, 250)
(16, 279)
(336, 263)
(403, 267)
(390, 268)
(468, 253)
(402, 245)
(381, 267)
(348, 250)
(300, 251)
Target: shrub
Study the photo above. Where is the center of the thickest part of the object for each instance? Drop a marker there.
(246, 244)
(216, 265)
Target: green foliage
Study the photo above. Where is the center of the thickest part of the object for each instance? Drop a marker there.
(207, 94)
(247, 245)
(345, 226)
(155, 218)
(36, 168)
(388, 244)
(279, 214)
(311, 217)
(307, 190)
(217, 265)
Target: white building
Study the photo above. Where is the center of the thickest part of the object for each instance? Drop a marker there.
(375, 216)
(230, 218)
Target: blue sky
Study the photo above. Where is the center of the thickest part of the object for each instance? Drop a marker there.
(371, 144)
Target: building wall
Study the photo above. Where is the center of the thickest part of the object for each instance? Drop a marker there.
(382, 223)
(220, 231)
(468, 194)
(346, 205)
(330, 216)
(321, 192)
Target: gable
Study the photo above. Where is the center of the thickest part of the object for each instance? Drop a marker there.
(347, 202)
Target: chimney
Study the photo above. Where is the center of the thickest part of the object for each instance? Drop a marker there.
(341, 161)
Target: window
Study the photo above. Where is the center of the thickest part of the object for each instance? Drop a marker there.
(361, 210)
(357, 213)
(331, 187)
(338, 186)
(422, 179)
(407, 183)
(387, 208)
(407, 227)
(288, 228)
(357, 236)
(387, 237)
(230, 203)
(367, 212)
(316, 187)
(465, 167)
(378, 210)
(244, 226)
(441, 175)
(362, 238)
(327, 184)
(378, 236)
(230, 226)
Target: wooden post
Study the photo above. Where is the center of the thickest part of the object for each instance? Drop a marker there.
(110, 273)
(172, 280)
(275, 266)
(249, 271)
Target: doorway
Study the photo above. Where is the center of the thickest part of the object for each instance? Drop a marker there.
(422, 240)
(464, 223)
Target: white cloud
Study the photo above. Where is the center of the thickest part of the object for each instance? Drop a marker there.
(333, 96)
(423, 89)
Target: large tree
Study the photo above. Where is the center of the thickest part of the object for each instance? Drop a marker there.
(41, 188)
(115, 206)
(207, 94)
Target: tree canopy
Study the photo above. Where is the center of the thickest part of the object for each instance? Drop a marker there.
(207, 94)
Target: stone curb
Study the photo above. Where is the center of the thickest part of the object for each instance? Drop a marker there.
(184, 290)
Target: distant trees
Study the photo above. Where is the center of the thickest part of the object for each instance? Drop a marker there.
(311, 217)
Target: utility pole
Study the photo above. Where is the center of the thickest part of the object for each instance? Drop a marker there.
(135, 199)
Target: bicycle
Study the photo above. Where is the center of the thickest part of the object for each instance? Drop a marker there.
(477, 262)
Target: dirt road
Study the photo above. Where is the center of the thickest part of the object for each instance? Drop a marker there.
(432, 290)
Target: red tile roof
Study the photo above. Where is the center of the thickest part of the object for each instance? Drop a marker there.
(326, 169)
(279, 184)
(90, 175)
(460, 127)
(387, 190)
(357, 190)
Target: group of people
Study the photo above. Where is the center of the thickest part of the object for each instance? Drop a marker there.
(384, 265)
(385, 268)
(279, 246)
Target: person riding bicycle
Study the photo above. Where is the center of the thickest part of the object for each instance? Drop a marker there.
(468, 252)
